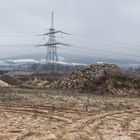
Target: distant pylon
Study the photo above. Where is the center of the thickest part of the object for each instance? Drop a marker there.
(51, 55)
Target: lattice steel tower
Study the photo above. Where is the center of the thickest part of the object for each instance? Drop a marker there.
(51, 55)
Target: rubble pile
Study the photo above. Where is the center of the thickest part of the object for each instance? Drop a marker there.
(90, 77)
(4, 84)
(36, 83)
(9, 79)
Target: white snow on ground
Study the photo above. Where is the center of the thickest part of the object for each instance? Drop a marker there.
(42, 61)
(101, 62)
(66, 63)
(24, 61)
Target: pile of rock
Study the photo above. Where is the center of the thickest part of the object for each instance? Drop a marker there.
(9, 79)
(4, 84)
(90, 77)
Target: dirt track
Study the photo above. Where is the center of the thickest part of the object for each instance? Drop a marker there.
(25, 120)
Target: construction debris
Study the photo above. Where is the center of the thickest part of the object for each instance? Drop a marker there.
(36, 83)
(4, 84)
(90, 77)
(9, 79)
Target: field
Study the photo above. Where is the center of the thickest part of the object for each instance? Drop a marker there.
(67, 115)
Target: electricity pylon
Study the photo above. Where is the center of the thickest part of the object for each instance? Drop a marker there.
(52, 44)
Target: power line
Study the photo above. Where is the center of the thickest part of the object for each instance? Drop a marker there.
(102, 51)
(17, 45)
(105, 40)
(118, 44)
(75, 35)
(79, 36)
(80, 48)
(113, 46)
(3, 33)
(21, 32)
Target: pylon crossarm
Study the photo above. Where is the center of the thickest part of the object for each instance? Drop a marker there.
(64, 44)
(53, 32)
(65, 33)
(51, 44)
(39, 45)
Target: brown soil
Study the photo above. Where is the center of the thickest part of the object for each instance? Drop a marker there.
(11, 80)
(57, 115)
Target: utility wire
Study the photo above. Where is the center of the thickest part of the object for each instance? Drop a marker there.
(78, 48)
(104, 44)
(3, 33)
(105, 40)
(16, 45)
(82, 47)
(74, 35)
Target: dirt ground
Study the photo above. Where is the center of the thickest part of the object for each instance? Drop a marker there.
(63, 115)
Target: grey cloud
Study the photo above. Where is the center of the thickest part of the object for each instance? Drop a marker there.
(114, 20)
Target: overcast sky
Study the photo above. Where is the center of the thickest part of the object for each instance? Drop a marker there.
(98, 27)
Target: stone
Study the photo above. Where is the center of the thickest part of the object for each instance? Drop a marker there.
(86, 78)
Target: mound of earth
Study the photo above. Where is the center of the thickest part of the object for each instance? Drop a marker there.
(9, 79)
(4, 84)
(88, 78)
(36, 83)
